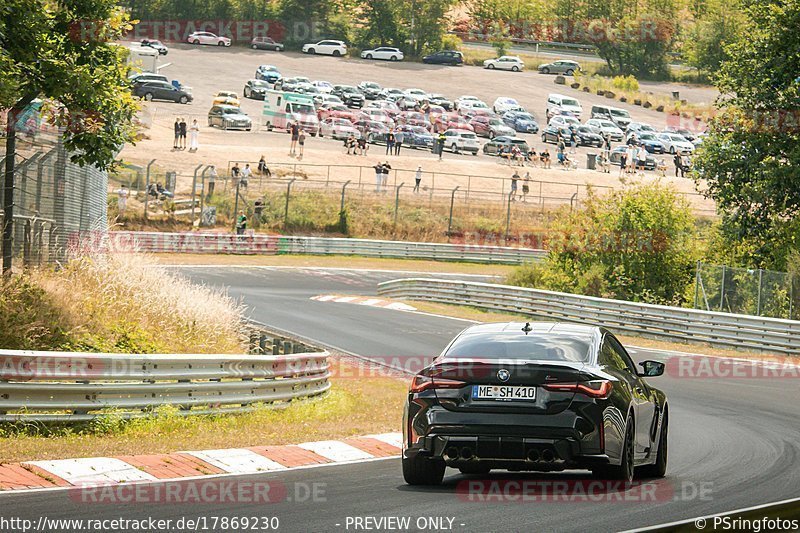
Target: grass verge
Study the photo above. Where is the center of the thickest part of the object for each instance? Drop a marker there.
(355, 405)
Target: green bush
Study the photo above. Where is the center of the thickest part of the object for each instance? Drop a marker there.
(451, 42)
(625, 83)
(637, 243)
(501, 46)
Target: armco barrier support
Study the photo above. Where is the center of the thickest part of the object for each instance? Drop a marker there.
(723, 330)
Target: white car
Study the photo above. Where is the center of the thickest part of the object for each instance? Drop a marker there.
(390, 91)
(504, 104)
(206, 37)
(338, 128)
(466, 99)
(464, 108)
(389, 107)
(328, 47)
(383, 52)
(512, 63)
(331, 99)
(377, 115)
(675, 143)
(564, 121)
(461, 141)
(605, 127)
(324, 87)
(419, 94)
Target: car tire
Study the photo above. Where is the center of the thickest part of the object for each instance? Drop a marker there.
(569, 72)
(224, 124)
(268, 126)
(545, 70)
(490, 66)
(672, 150)
(369, 56)
(544, 138)
(196, 41)
(184, 99)
(515, 69)
(625, 470)
(220, 43)
(659, 468)
(246, 92)
(454, 148)
(148, 96)
(393, 58)
(336, 53)
(476, 470)
(312, 51)
(422, 471)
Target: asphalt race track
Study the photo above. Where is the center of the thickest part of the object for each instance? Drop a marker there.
(735, 440)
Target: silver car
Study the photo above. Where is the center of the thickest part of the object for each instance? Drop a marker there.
(206, 37)
(562, 66)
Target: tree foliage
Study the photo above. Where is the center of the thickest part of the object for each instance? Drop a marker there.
(750, 159)
(62, 53)
(637, 243)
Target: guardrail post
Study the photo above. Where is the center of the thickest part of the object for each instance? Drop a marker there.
(276, 347)
(287, 347)
(26, 244)
(262, 343)
(450, 221)
(508, 216)
(397, 200)
(341, 208)
(254, 342)
(758, 304)
(286, 209)
(722, 289)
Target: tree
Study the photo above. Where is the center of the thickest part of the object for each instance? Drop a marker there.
(379, 23)
(716, 24)
(750, 158)
(63, 54)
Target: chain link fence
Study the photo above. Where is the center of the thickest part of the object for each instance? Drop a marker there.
(746, 291)
(55, 202)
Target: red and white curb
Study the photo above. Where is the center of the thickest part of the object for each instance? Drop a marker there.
(65, 473)
(364, 300)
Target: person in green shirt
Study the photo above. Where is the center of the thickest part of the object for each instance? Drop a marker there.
(241, 223)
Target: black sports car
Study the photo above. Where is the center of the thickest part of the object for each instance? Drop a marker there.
(586, 137)
(534, 396)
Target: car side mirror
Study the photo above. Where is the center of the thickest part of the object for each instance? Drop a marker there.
(651, 369)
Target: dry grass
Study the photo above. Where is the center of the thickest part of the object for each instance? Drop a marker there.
(350, 262)
(354, 406)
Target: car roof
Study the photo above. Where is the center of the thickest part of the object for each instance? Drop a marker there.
(560, 328)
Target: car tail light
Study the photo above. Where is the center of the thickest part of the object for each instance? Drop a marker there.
(600, 389)
(421, 383)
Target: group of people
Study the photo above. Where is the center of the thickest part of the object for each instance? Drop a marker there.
(298, 140)
(356, 146)
(180, 130)
(381, 175)
(394, 140)
(526, 187)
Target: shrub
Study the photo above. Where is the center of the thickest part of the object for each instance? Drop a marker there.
(501, 45)
(625, 83)
(451, 42)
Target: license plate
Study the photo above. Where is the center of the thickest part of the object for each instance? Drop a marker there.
(503, 392)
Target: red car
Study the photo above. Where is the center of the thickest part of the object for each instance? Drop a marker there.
(414, 118)
(336, 111)
(459, 123)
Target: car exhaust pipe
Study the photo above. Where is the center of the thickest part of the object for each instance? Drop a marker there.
(451, 452)
(533, 456)
(548, 456)
(466, 453)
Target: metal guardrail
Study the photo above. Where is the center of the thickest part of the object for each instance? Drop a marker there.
(74, 387)
(252, 244)
(657, 321)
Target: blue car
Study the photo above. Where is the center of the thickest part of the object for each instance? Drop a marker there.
(521, 121)
(651, 143)
(416, 137)
(268, 73)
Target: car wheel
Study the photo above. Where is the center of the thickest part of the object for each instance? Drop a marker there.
(246, 92)
(659, 468)
(490, 66)
(570, 72)
(369, 56)
(393, 58)
(672, 150)
(624, 471)
(422, 471)
(544, 138)
(545, 70)
(148, 96)
(371, 138)
(196, 41)
(184, 100)
(269, 126)
(515, 69)
(254, 46)
(312, 51)
(336, 53)
(491, 134)
(224, 124)
(220, 43)
(454, 148)
(478, 469)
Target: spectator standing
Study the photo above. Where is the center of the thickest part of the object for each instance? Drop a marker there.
(607, 146)
(623, 162)
(686, 162)
(177, 128)
(241, 223)
(294, 130)
(212, 179)
(561, 146)
(235, 171)
(194, 135)
(573, 141)
(390, 142)
(386, 167)
(440, 144)
(514, 183)
(350, 144)
(399, 136)
(417, 179)
(183, 135)
(526, 186)
(678, 162)
(301, 141)
(632, 153)
(362, 146)
(378, 176)
(246, 173)
(641, 158)
(122, 200)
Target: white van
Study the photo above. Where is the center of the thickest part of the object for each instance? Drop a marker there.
(282, 109)
(618, 116)
(556, 103)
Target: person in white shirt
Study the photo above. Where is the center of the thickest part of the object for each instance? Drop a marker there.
(417, 179)
(122, 201)
(194, 134)
(246, 173)
(631, 158)
(641, 158)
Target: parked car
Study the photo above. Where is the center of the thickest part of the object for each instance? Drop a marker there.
(586, 137)
(505, 103)
(351, 96)
(378, 115)
(650, 142)
(564, 121)
(369, 89)
(467, 99)
(416, 136)
(229, 117)
(226, 98)
(413, 118)
(162, 90)
(268, 73)
(155, 45)
(336, 111)
(512, 63)
(562, 66)
(491, 127)
(558, 103)
(266, 43)
(445, 57)
(440, 100)
(338, 128)
(618, 116)
(374, 132)
(206, 37)
(325, 87)
(330, 99)
(326, 47)
(461, 141)
(419, 94)
(494, 146)
(459, 123)
(636, 127)
(687, 134)
(255, 89)
(605, 127)
(290, 84)
(521, 121)
(383, 52)
(408, 102)
(615, 158)
(675, 143)
(145, 77)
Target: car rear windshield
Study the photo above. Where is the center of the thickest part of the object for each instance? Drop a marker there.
(570, 101)
(542, 347)
(620, 113)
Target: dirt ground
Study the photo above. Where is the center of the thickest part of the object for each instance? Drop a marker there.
(209, 69)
